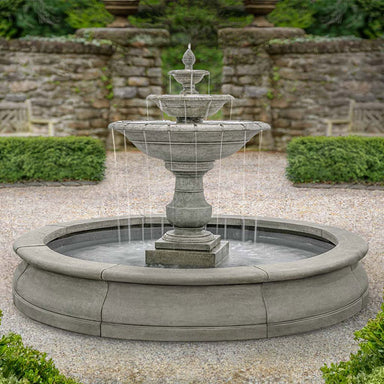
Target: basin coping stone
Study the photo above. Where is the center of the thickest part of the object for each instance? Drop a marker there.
(349, 249)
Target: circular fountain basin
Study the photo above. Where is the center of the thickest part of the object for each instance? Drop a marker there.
(171, 141)
(255, 300)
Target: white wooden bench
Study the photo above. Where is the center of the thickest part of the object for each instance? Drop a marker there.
(16, 119)
(364, 119)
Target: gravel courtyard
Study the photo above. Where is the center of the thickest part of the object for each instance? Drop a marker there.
(249, 184)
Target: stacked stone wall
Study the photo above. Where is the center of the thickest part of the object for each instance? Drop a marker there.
(84, 85)
(296, 86)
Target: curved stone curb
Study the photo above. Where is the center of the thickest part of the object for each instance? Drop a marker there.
(340, 186)
(190, 304)
(78, 183)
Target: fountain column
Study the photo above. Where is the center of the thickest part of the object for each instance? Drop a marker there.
(189, 208)
(189, 212)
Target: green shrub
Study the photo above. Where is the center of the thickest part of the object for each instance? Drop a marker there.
(50, 17)
(336, 159)
(24, 365)
(11, 380)
(51, 159)
(376, 377)
(365, 366)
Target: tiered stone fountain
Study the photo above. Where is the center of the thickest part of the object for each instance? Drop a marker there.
(192, 286)
(189, 148)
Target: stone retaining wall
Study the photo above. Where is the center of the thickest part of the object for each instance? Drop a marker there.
(296, 86)
(84, 85)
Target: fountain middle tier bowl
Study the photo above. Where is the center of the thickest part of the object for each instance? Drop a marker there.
(190, 106)
(188, 76)
(207, 141)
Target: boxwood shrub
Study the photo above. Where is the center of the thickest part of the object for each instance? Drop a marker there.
(20, 364)
(341, 159)
(51, 159)
(367, 365)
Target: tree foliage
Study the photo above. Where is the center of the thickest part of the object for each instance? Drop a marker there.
(195, 22)
(361, 18)
(50, 17)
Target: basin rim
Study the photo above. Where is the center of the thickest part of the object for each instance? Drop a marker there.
(205, 126)
(349, 248)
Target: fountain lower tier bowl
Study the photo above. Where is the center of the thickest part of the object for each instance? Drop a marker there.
(243, 300)
(174, 142)
(187, 107)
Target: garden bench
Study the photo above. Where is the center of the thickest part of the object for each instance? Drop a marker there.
(364, 119)
(16, 119)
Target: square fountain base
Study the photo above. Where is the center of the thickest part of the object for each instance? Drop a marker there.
(188, 258)
(188, 246)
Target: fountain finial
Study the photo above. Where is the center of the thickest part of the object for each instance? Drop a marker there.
(188, 76)
(189, 58)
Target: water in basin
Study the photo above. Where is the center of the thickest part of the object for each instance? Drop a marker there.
(246, 248)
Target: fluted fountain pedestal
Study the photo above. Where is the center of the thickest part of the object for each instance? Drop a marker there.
(188, 244)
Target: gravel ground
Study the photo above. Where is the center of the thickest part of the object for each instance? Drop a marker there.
(251, 184)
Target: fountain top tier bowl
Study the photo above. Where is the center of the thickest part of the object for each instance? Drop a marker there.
(190, 106)
(188, 77)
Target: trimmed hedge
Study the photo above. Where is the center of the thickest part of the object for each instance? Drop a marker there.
(367, 365)
(341, 159)
(376, 377)
(51, 159)
(23, 365)
(9, 380)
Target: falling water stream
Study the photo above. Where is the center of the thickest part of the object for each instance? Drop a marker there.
(196, 158)
(243, 210)
(208, 108)
(219, 185)
(258, 174)
(161, 108)
(116, 184)
(127, 189)
(171, 161)
(148, 179)
(191, 81)
(185, 112)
